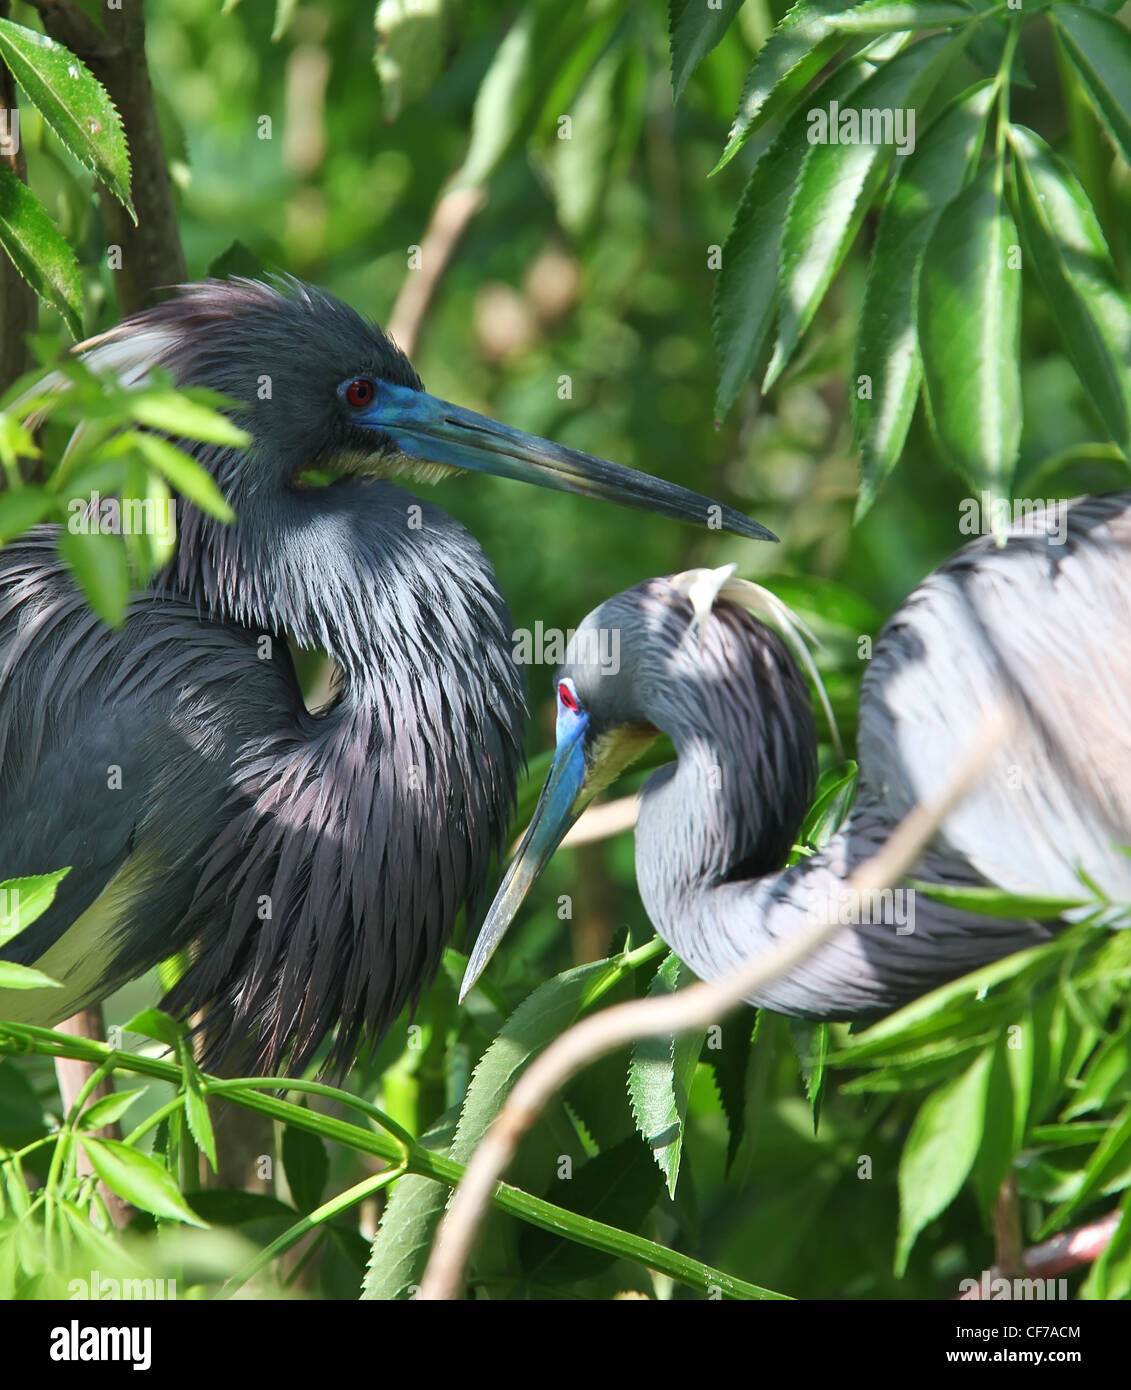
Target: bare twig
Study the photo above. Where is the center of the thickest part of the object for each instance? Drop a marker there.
(603, 821)
(453, 211)
(1068, 1251)
(696, 1006)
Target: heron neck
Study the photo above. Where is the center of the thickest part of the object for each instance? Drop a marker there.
(727, 813)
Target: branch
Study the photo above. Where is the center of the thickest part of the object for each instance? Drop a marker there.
(453, 211)
(697, 1006)
(1063, 1253)
(152, 256)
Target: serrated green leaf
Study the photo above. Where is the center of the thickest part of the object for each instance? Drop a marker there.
(99, 565)
(695, 28)
(1065, 245)
(73, 102)
(408, 1226)
(23, 900)
(38, 252)
(1099, 48)
(837, 183)
(799, 47)
(199, 1120)
(940, 1152)
(969, 324)
(887, 345)
(110, 1109)
(659, 1075)
(139, 1179)
(729, 1061)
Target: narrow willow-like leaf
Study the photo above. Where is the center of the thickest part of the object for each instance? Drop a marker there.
(38, 252)
(882, 16)
(995, 1151)
(837, 184)
(996, 902)
(940, 1152)
(659, 1075)
(969, 324)
(747, 287)
(189, 478)
(695, 28)
(1100, 50)
(72, 101)
(1065, 246)
(888, 369)
(801, 44)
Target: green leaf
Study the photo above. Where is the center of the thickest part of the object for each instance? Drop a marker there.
(13, 976)
(800, 46)
(502, 102)
(695, 28)
(284, 13)
(811, 1044)
(410, 51)
(729, 1062)
(98, 563)
(1106, 1072)
(659, 1077)
(1099, 48)
(22, 508)
(184, 473)
(1021, 1056)
(882, 16)
(969, 320)
(619, 1187)
(995, 1152)
(747, 287)
(996, 902)
(408, 1226)
(139, 1179)
(152, 1023)
(306, 1165)
(838, 181)
(1064, 244)
(23, 900)
(1110, 1276)
(887, 345)
(940, 1152)
(196, 1110)
(110, 1109)
(38, 252)
(176, 414)
(832, 800)
(579, 167)
(1107, 1167)
(237, 260)
(73, 102)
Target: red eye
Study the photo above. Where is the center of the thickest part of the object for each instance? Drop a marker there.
(568, 698)
(359, 392)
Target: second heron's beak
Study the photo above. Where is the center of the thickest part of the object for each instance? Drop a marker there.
(564, 797)
(433, 431)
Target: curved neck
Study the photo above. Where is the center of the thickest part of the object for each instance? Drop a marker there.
(730, 809)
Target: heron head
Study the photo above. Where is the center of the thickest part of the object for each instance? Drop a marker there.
(321, 388)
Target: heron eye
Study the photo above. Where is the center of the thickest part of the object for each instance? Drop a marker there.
(567, 697)
(360, 392)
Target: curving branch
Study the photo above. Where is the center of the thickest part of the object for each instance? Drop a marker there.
(699, 1005)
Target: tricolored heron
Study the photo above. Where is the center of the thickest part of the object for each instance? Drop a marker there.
(316, 863)
(1042, 625)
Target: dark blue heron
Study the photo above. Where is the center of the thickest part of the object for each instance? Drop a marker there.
(315, 863)
(1042, 626)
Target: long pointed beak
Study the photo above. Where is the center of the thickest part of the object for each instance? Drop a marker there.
(563, 799)
(434, 431)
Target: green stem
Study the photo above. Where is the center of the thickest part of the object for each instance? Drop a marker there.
(536, 1212)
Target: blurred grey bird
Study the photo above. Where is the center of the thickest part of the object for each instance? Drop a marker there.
(1039, 626)
(315, 864)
